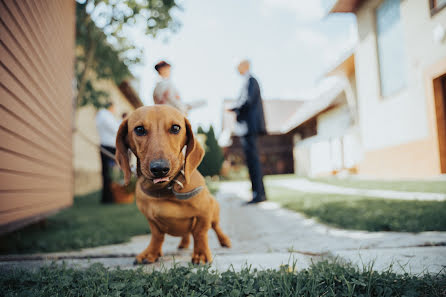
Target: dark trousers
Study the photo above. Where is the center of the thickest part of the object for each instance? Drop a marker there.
(249, 143)
(107, 164)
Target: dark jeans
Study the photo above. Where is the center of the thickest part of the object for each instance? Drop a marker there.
(107, 164)
(249, 143)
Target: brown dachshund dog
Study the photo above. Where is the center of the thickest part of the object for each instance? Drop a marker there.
(170, 192)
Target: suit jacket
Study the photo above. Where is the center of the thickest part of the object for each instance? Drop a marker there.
(251, 111)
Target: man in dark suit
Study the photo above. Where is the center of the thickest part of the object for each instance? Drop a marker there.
(250, 124)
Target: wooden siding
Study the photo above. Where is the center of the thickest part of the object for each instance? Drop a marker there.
(36, 73)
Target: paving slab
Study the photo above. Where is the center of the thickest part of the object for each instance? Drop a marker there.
(304, 185)
(411, 260)
(222, 262)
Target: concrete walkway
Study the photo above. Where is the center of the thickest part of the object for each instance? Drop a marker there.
(305, 185)
(266, 236)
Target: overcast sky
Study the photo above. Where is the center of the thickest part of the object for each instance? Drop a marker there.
(290, 44)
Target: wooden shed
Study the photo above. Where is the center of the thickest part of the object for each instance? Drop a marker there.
(36, 91)
(275, 149)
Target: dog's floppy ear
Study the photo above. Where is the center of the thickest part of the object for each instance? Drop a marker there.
(122, 151)
(194, 153)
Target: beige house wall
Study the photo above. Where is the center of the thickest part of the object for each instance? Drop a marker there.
(336, 146)
(87, 161)
(397, 130)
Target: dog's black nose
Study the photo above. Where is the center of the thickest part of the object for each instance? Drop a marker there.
(159, 168)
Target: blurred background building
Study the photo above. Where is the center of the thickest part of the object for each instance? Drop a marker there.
(334, 146)
(400, 65)
(384, 116)
(307, 137)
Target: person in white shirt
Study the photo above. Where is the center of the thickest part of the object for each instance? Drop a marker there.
(107, 127)
(250, 125)
(165, 92)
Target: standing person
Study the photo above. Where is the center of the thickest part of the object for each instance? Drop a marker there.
(165, 92)
(107, 127)
(250, 124)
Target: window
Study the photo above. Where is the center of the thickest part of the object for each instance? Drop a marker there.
(436, 5)
(391, 53)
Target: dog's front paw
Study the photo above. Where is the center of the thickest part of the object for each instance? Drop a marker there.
(146, 258)
(201, 257)
(225, 241)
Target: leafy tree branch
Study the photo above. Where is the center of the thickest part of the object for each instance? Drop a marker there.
(103, 50)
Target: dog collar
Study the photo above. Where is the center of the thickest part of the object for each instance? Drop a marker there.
(187, 195)
(178, 195)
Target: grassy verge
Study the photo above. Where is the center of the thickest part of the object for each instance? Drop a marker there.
(429, 186)
(364, 213)
(86, 224)
(395, 185)
(321, 279)
(212, 186)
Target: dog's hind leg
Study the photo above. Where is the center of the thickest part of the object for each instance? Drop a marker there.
(222, 238)
(185, 240)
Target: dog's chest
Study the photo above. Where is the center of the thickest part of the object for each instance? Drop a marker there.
(169, 216)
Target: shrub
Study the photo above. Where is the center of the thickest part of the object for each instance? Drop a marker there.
(213, 159)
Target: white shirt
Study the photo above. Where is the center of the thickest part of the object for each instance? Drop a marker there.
(241, 128)
(107, 127)
(244, 89)
(166, 93)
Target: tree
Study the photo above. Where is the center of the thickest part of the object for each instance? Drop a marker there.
(102, 49)
(213, 159)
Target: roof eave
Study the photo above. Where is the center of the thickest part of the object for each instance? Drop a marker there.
(130, 94)
(346, 67)
(302, 116)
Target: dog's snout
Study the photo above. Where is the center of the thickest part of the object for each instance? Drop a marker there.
(159, 168)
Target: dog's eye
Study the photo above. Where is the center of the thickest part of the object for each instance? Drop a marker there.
(140, 131)
(175, 129)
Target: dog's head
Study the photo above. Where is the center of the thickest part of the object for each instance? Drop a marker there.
(157, 136)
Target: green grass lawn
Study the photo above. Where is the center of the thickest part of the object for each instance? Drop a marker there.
(321, 279)
(395, 185)
(364, 213)
(88, 223)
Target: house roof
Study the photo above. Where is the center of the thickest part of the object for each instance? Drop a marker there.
(313, 108)
(329, 98)
(277, 112)
(130, 94)
(346, 6)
